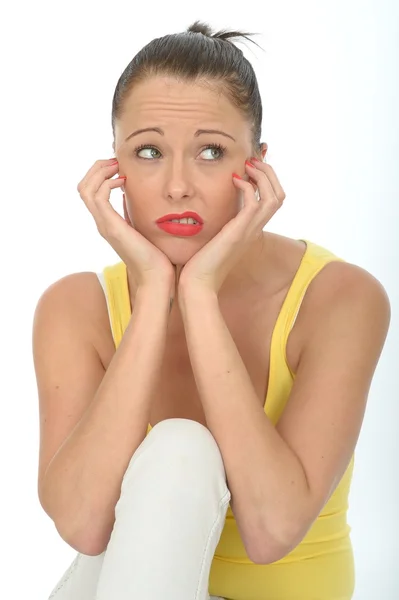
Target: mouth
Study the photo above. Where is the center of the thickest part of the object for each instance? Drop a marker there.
(181, 229)
(187, 218)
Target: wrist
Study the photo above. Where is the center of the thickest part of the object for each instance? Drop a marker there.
(196, 296)
(156, 293)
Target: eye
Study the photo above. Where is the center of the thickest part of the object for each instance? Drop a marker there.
(144, 147)
(218, 147)
(213, 147)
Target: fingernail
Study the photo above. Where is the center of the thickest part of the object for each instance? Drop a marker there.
(114, 161)
(237, 176)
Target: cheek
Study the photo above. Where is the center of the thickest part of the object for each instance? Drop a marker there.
(227, 197)
(135, 207)
(231, 206)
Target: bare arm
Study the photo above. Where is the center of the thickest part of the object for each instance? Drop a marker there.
(82, 483)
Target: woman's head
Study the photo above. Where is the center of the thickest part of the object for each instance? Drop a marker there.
(180, 84)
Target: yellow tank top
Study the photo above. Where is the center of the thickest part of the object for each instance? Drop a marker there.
(322, 566)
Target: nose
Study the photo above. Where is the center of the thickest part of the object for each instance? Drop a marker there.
(178, 181)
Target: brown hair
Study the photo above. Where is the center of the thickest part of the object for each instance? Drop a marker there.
(197, 54)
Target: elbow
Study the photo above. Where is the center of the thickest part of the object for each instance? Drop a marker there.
(86, 533)
(266, 554)
(87, 541)
(265, 548)
(261, 545)
(83, 544)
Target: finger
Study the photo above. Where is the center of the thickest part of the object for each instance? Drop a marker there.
(108, 220)
(272, 177)
(94, 182)
(265, 187)
(94, 169)
(259, 212)
(253, 183)
(249, 191)
(96, 195)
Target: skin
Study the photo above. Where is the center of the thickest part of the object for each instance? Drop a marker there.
(182, 174)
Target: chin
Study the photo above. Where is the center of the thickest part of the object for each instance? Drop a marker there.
(179, 250)
(178, 258)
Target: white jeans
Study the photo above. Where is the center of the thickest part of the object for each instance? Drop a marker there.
(168, 522)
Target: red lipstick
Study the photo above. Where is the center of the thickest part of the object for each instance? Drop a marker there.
(180, 229)
(187, 214)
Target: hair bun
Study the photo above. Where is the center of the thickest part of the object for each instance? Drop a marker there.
(223, 34)
(200, 27)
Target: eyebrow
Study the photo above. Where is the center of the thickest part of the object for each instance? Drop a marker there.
(197, 133)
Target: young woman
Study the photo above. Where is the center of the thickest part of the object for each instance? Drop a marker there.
(201, 399)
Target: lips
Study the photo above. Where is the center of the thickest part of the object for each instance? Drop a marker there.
(180, 229)
(187, 214)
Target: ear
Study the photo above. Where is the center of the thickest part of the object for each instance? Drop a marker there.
(127, 218)
(263, 151)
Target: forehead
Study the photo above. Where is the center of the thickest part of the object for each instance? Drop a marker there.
(189, 102)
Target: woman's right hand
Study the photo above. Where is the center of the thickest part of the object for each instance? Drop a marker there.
(147, 264)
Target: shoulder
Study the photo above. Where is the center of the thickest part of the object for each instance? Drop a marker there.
(80, 297)
(343, 279)
(76, 289)
(340, 290)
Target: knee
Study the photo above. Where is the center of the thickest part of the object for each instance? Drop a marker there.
(179, 463)
(179, 447)
(183, 437)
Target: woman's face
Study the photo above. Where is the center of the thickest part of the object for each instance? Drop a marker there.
(179, 170)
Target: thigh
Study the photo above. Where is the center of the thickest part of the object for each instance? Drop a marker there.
(79, 582)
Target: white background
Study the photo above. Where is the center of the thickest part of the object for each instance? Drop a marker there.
(329, 79)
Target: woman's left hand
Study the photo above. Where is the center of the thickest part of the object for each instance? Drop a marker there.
(209, 267)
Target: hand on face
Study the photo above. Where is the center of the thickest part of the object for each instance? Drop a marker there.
(263, 196)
